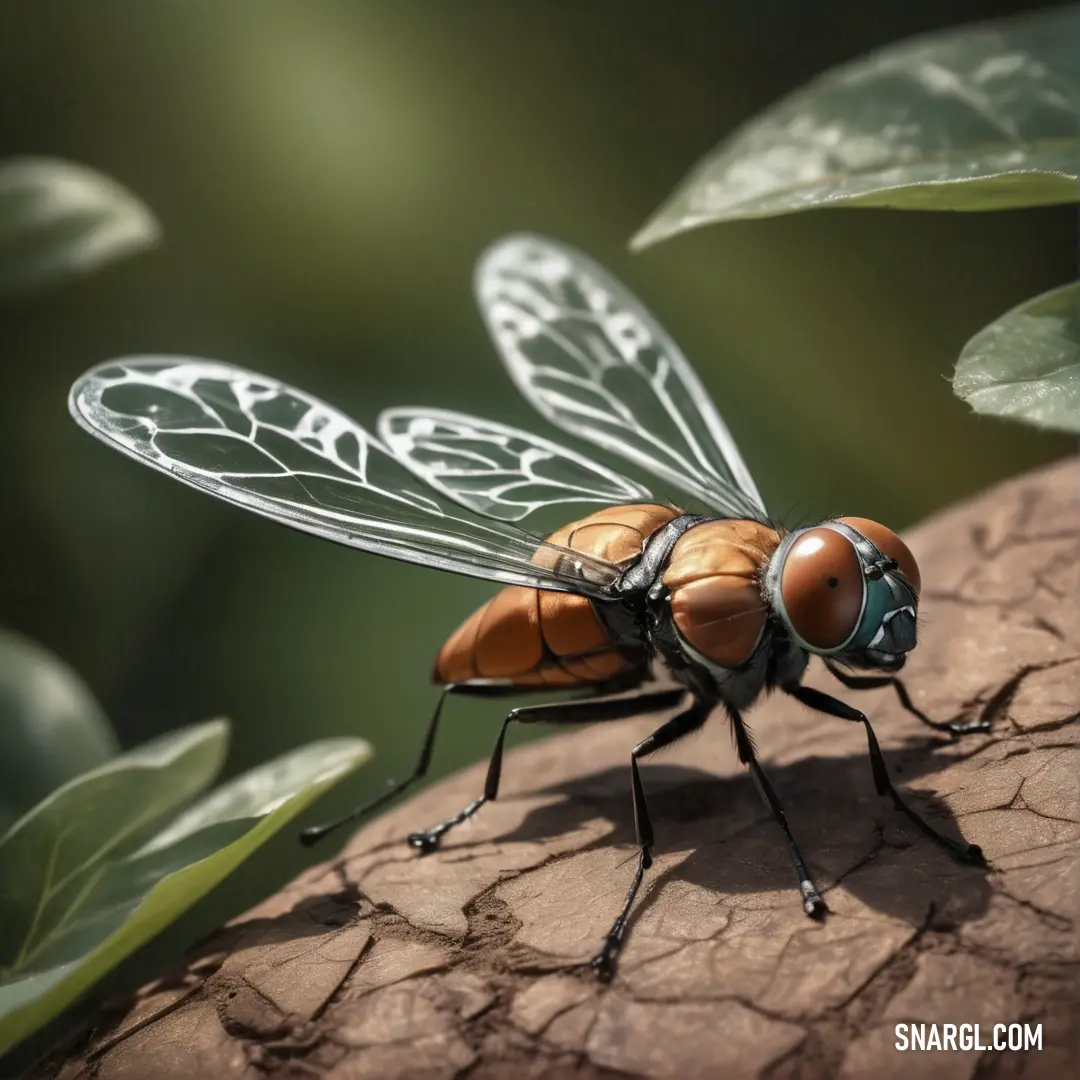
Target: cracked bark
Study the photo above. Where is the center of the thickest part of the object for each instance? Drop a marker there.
(467, 962)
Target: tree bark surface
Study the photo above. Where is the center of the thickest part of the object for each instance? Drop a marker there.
(470, 961)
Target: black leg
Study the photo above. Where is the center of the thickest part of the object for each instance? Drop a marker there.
(394, 788)
(665, 735)
(874, 682)
(813, 904)
(587, 711)
(625, 681)
(968, 853)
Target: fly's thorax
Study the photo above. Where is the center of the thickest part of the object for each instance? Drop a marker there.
(616, 533)
(847, 589)
(713, 581)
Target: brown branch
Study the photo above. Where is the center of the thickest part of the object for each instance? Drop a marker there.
(469, 962)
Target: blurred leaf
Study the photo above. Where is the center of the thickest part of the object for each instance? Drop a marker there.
(49, 856)
(979, 118)
(124, 901)
(1026, 364)
(51, 727)
(58, 219)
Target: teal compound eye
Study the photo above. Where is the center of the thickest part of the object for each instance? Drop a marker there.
(890, 545)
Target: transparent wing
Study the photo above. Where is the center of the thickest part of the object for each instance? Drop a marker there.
(256, 442)
(587, 354)
(496, 470)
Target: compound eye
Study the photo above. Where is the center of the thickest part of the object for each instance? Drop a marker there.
(822, 588)
(891, 546)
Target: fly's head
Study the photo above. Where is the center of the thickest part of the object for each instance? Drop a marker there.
(847, 589)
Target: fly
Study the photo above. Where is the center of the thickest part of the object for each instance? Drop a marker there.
(730, 605)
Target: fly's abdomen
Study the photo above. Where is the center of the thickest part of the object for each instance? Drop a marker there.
(713, 578)
(531, 637)
(537, 637)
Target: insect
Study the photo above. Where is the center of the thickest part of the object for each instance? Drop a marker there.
(729, 604)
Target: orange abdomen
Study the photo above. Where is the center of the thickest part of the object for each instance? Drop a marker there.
(538, 637)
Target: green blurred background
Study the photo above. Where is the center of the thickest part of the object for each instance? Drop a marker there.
(326, 174)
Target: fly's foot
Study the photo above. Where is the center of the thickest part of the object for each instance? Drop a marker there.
(813, 904)
(972, 855)
(427, 841)
(961, 850)
(974, 727)
(605, 961)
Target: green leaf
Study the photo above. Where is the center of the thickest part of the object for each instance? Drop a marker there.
(51, 727)
(58, 219)
(51, 855)
(1026, 365)
(983, 117)
(133, 897)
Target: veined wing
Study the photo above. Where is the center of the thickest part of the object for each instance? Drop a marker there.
(270, 448)
(589, 356)
(496, 470)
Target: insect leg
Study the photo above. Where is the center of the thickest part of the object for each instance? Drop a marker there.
(813, 904)
(395, 787)
(587, 711)
(678, 726)
(815, 699)
(873, 682)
